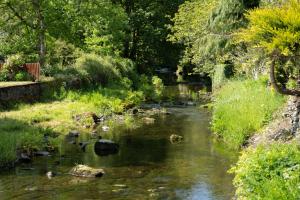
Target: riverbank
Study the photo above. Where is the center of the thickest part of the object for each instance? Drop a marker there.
(27, 128)
(147, 165)
(267, 126)
(269, 167)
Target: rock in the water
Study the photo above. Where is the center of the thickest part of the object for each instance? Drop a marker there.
(148, 120)
(97, 119)
(190, 103)
(86, 171)
(105, 128)
(94, 134)
(120, 186)
(106, 147)
(50, 174)
(31, 189)
(135, 111)
(74, 133)
(176, 138)
(83, 145)
(42, 153)
(24, 158)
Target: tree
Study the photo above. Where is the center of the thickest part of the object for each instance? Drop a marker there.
(277, 32)
(92, 25)
(148, 29)
(210, 42)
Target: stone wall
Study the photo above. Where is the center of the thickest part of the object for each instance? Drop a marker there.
(26, 92)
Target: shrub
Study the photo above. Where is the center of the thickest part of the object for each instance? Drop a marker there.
(4, 75)
(11, 67)
(158, 86)
(61, 53)
(152, 88)
(99, 69)
(242, 108)
(268, 172)
(23, 76)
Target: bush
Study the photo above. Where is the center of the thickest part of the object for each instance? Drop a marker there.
(13, 69)
(158, 86)
(242, 108)
(268, 172)
(23, 76)
(61, 53)
(99, 69)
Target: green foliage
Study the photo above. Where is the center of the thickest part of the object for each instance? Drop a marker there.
(93, 69)
(13, 69)
(132, 29)
(268, 172)
(100, 69)
(218, 78)
(18, 135)
(61, 53)
(152, 88)
(274, 29)
(23, 76)
(243, 107)
(206, 27)
(190, 25)
(105, 32)
(158, 86)
(190, 21)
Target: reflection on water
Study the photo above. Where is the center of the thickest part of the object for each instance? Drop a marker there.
(147, 165)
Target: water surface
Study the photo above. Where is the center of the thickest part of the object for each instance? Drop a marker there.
(147, 166)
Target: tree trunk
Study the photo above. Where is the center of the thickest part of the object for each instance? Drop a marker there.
(41, 31)
(278, 88)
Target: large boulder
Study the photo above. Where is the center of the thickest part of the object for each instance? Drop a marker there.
(86, 171)
(105, 147)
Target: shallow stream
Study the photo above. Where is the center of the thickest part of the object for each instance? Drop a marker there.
(147, 166)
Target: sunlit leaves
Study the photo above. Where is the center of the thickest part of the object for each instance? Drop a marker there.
(274, 28)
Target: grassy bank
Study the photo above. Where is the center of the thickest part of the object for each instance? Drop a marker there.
(18, 135)
(95, 84)
(24, 127)
(272, 171)
(268, 172)
(241, 108)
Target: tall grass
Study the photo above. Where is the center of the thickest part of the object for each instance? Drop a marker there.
(241, 108)
(17, 135)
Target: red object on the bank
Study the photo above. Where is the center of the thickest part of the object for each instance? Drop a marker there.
(34, 69)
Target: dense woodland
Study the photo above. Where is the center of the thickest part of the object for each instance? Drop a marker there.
(111, 49)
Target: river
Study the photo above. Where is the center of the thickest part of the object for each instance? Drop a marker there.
(147, 166)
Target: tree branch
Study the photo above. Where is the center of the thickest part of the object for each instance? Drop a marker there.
(19, 16)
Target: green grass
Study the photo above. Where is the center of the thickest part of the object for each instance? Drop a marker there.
(243, 107)
(17, 135)
(268, 172)
(57, 115)
(25, 126)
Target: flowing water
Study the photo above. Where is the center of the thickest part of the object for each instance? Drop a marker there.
(147, 166)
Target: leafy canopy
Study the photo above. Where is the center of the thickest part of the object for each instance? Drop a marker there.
(274, 29)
